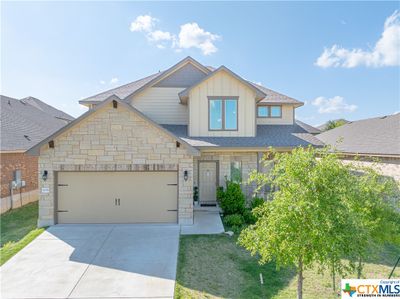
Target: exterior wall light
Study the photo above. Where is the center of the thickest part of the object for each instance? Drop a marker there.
(185, 175)
(44, 175)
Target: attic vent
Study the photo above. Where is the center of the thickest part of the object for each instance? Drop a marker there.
(27, 137)
(178, 144)
(115, 104)
(51, 144)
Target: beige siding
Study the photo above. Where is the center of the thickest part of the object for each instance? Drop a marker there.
(221, 84)
(286, 119)
(162, 105)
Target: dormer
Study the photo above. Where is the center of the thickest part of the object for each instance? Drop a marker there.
(222, 104)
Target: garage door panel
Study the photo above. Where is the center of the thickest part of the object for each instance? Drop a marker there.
(117, 197)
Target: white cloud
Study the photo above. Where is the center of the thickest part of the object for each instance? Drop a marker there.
(143, 23)
(386, 51)
(114, 81)
(102, 82)
(191, 35)
(336, 104)
(159, 35)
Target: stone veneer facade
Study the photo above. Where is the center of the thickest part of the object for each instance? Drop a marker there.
(248, 160)
(114, 139)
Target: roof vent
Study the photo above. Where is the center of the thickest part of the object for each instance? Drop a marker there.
(383, 117)
(9, 102)
(23, 102)
(27, 137)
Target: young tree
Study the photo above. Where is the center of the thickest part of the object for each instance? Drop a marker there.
(314, 215)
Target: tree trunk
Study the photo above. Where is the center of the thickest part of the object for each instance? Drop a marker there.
(333, 278)
(359, 268)
(300, 279)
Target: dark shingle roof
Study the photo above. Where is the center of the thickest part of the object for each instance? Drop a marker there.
(267, 135)
(26, 122)
(308, 128)
(373, 136)
(121, 91)
(272, 97)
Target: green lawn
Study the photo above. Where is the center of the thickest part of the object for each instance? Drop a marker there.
(18, 229)
(216, 267)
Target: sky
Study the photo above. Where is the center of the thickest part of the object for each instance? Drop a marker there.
(340, 58)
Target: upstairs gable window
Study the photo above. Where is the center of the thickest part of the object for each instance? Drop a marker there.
(269, 111)
(223, 113)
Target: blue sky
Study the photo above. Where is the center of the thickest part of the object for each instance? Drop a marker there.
(341, 59)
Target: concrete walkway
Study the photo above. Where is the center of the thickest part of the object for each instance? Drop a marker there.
(206, 222)
(95, 261)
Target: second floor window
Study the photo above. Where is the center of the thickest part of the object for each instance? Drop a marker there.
(223, 114)
(269, 111)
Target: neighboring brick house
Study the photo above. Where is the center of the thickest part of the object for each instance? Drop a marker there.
(372, 142)
(23, 123)
(142, 148)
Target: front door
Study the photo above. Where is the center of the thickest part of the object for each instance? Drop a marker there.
(208, 182)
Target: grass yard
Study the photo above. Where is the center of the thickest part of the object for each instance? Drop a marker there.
(216, 267)
(18, 229)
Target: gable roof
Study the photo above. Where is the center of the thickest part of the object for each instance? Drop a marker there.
(130, 89)
(310, 129)
(267, 96)
(183, 95)
(372, 136)
(34, 150)
(273, 97)
(25, 122)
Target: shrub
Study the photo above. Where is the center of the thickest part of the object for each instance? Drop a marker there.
(234, 220)
(233, 200)
(220, 193)
(256, 202)
(249, 217)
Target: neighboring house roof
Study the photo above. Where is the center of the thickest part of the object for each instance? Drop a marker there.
(34, 150)
(308, 128)
(47, 108)
(128, 90)
(372, 136)
(323, 126)
(25, 122)
(280, 136)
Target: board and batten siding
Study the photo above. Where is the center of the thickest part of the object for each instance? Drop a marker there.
(162, 104)
(222, 84)
(286, 119)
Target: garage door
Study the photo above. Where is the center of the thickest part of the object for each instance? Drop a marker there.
(117, 197)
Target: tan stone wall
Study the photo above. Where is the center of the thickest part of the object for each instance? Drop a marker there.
(114, 140)
(249, 163)
(385, 166)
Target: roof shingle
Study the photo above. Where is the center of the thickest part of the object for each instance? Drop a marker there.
(26, 122)
(373, 136)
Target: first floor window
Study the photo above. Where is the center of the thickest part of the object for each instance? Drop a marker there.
(223, 114)
(236, 171)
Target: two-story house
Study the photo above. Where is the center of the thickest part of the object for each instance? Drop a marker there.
(140, 150)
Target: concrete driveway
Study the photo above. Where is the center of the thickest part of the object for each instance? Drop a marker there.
(95, 261)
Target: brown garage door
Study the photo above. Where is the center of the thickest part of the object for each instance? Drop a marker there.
(117, 197)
